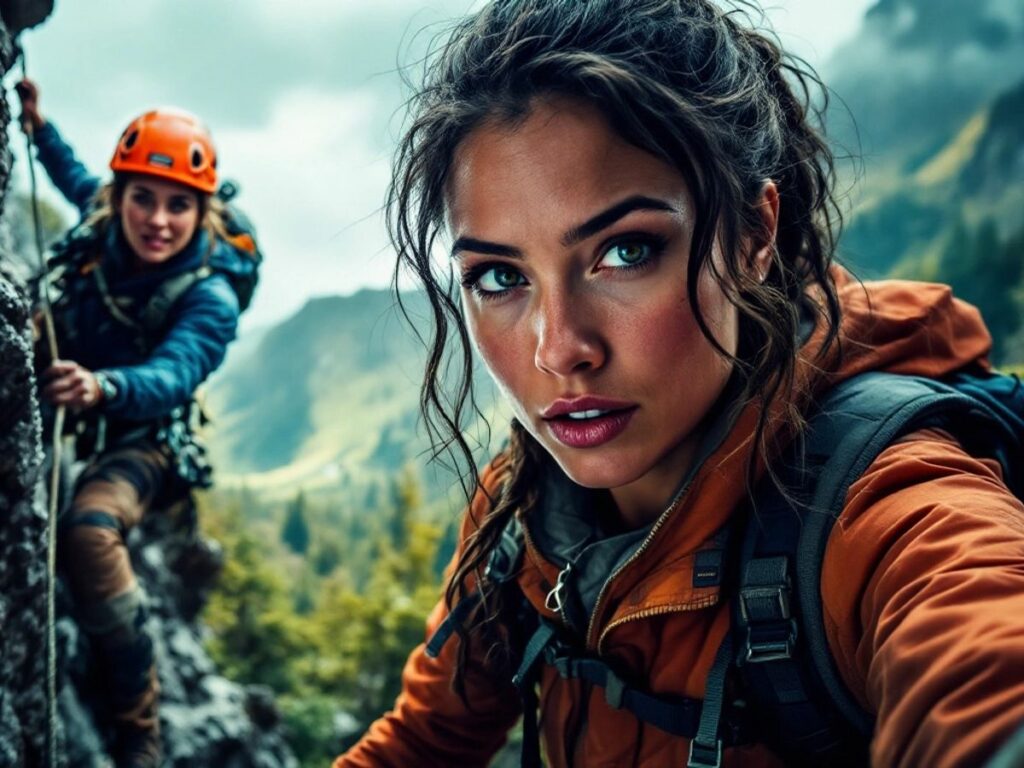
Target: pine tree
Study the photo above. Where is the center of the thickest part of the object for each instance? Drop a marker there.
(295, 531)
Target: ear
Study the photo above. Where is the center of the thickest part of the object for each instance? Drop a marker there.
(767, 208)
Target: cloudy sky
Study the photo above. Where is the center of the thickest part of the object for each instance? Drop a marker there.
(304, 102)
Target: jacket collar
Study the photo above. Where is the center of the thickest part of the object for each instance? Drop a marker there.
(118, 258)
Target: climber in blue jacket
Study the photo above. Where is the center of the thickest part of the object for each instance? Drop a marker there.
(147, 292)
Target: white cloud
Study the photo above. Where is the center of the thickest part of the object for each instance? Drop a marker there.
(313, 186)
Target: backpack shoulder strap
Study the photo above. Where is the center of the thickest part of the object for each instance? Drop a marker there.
(783, 649)
(154, 314)
(501, 568)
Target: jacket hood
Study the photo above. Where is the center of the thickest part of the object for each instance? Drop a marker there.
(899, 326)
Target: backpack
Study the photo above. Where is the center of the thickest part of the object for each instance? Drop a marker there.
(791, 696)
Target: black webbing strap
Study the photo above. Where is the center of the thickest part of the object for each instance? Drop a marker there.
(95, 519)
(678, 716)
(706, 745)
(536, 646)
(501, 568)
(525, 679)
(154, 314)
(454, 619)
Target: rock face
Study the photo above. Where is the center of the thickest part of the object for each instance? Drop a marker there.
(22, 544)
(22, 525)
(206, 719)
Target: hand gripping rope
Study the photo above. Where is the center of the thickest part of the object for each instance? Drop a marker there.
(58, 428)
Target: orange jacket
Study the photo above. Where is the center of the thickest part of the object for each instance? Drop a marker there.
(922, 590)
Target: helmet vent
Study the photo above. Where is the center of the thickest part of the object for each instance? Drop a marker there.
(198, 160)
(129, 140)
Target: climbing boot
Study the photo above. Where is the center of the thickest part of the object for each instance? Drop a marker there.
(127, 660)
(137, 732)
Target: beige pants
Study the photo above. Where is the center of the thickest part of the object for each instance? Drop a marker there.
(111, 497)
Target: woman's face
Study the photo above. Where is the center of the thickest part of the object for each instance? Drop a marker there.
(573, 246)
(158, 217)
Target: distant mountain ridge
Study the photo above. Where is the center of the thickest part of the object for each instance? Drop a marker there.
(978, 175)
(327, 400)
(918, 70)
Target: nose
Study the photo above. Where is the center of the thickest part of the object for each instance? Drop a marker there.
(158, 216)
(568, 338)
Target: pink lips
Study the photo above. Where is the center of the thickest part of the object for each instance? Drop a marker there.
(154, 243)
(588, 433)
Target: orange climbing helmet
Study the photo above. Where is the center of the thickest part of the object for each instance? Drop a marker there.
(171, 144)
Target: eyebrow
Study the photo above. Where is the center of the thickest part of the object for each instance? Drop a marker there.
(606, 218)
(483, 246)
(573, 235)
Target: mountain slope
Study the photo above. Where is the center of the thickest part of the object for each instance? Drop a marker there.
(977, 176)
(917, 71)
(327, 400)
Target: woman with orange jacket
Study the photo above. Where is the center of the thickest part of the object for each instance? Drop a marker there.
(642, 225)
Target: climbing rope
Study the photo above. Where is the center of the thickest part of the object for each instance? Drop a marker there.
(58, 428)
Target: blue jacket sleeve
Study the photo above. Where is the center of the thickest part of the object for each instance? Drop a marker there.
(65, 170)
(204, 323)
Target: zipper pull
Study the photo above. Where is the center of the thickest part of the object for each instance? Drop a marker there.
(553, 601)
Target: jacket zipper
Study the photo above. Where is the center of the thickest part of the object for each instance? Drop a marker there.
(555, 594)
(553, 601)
(692, 605)
(633, 558)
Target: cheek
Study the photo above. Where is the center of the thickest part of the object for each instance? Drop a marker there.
(661, 331)
(129, 215)
(187, 223)
(487, 340)
(505, 348)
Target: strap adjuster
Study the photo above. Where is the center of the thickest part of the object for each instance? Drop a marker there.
(703, 756)
(614, 690)
(563, 663)
(773, 642)
(756, 602)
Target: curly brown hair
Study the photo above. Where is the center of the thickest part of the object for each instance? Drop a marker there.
(696, 85)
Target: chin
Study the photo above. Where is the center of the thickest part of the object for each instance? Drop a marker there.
(596, 469)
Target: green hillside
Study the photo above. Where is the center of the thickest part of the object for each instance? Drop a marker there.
(955, 217)
(326, 401)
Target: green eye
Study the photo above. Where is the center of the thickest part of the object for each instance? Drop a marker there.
(626, 254)
(498, 279)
